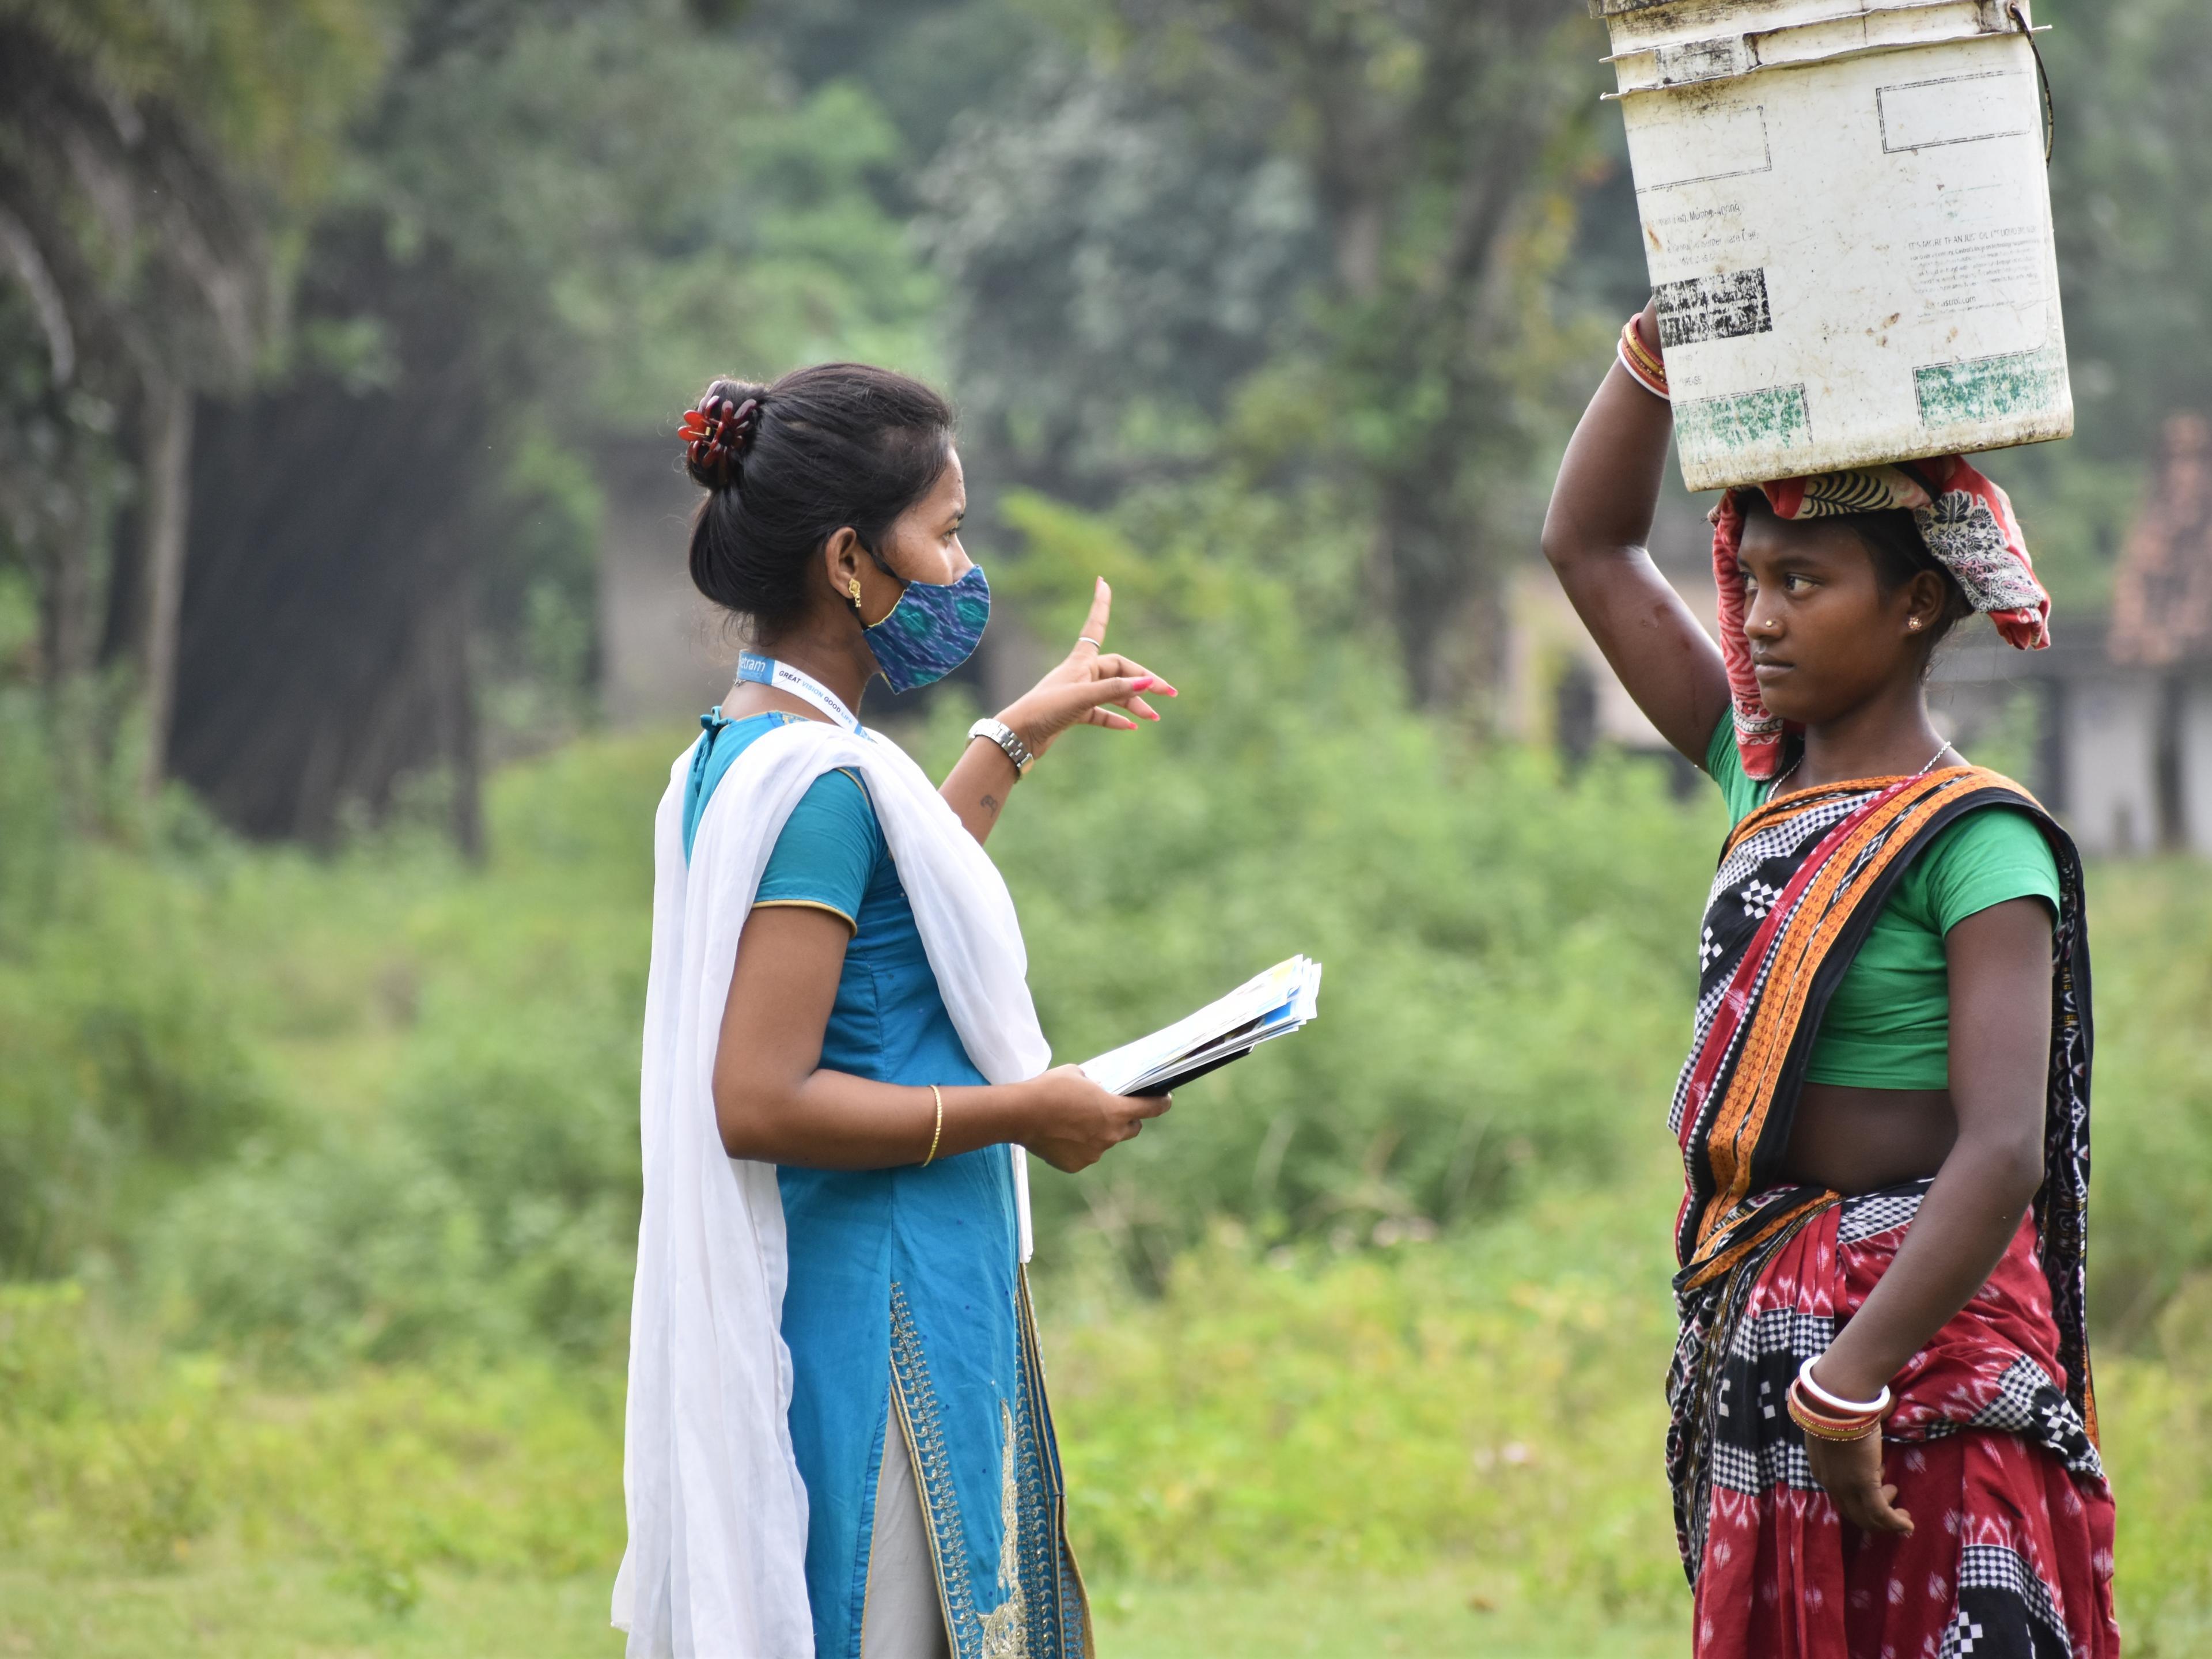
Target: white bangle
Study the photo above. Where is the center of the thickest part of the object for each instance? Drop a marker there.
(1007, 739)
(1873, 1407)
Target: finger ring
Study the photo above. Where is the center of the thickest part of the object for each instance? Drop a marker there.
(1086, 639)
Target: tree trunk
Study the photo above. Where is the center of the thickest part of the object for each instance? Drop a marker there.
(165, 504)
(456, 717)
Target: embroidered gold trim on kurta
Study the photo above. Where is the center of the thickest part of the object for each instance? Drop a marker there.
(1006, 1627)
(1028, 1622)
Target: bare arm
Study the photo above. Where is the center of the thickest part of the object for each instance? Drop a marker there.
(1595, 535)
(978, 785)
(1076, 693)
(773, 1101)
(2000, 976)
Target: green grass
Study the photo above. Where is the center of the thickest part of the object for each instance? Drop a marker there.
(1431, 1447)
(297, 1610)
(1459, 1612)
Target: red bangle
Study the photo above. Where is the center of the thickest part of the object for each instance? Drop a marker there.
(1821, 1426)
(1645, 367)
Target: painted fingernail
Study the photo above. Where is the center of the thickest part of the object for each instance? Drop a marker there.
(1144, 683)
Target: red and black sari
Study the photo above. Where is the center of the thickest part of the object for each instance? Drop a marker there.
(1993, 1443)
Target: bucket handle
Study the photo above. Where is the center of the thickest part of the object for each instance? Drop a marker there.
(2018, 12)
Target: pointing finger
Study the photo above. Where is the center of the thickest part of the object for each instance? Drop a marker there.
(1102, 606)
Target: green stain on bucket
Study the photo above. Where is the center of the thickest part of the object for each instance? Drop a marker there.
(1991, 388)
(1773, 418)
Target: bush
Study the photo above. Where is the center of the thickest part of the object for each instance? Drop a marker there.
(360, 1251)
(1495, 1398)
(533, 1116)
(114, 1456)
(1508, 970)
(2150, 1222)
(122, 1069)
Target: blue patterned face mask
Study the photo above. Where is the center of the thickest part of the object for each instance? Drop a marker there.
(933, 629)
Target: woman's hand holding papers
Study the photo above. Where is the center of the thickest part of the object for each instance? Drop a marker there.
(1073, 1122)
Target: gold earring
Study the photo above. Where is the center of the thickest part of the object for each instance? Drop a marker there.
(852, 587)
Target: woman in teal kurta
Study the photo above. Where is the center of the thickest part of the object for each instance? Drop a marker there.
(907, 1324)
(918, 1417)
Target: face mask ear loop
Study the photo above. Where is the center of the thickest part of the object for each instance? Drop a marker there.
(879, 558)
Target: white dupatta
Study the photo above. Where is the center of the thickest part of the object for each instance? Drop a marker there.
(715, 1567)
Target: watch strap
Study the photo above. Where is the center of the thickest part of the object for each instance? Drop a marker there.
(1008, 739)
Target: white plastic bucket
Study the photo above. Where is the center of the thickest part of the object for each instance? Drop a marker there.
(1846, 214)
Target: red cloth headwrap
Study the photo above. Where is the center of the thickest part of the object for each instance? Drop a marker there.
(1968, 526)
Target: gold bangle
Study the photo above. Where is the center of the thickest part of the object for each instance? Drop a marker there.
(1645, 366)
(938, 1134)
(1631, 336)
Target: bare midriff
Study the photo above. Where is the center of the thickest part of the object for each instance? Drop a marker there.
(1852, 1139)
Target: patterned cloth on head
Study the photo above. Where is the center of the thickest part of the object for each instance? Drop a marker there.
(1967, 524)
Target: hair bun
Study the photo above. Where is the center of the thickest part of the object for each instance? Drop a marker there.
(716, 432)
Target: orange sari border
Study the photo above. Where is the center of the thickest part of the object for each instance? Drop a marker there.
(1875, 841)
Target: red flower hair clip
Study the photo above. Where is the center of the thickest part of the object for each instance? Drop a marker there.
(716, 435)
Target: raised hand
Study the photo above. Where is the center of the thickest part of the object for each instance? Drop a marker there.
(1088, 688)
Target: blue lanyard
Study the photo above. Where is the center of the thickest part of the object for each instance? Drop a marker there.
(782, 677)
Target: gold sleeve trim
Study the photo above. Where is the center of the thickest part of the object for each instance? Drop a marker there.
(806, 905)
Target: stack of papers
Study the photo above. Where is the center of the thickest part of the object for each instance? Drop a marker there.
(1272, 1005)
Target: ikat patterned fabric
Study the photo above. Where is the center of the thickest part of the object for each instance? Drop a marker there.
(2011, 1553)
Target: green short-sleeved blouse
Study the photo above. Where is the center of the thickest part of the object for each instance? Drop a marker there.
(1888, 1025)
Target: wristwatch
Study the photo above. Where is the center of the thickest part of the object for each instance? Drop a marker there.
(1008, 739)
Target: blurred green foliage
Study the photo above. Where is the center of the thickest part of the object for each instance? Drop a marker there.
(1477, 916)
(381, 1106)
(273, 81)
(483, 1185)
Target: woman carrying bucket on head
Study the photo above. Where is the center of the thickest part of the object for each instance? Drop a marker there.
(838, 1440)
(1883, 1438)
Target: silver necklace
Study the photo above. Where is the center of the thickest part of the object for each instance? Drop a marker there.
(1775, 788)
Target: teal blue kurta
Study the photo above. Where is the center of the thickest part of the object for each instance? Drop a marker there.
(906, 1292)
